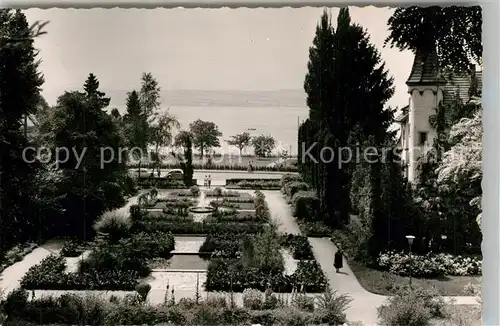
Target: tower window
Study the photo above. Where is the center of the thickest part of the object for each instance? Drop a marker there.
(422, 138)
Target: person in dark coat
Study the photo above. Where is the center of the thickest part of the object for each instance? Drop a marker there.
(337, 263)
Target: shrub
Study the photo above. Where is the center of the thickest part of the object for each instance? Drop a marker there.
(292, 317)
(195, 191)
(143, 289)
(305, 205)
(153, 194)
(270, 300)
(71, 248)
(289, 178)
(293, 187)
(115, 225)
(299, 245)
(218, 192)
(315, 229)
(331, 307)
(404, 312)
(136, 213)
(303, 302)
(412, 307)
(252, 299)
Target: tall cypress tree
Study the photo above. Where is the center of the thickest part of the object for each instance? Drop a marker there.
(20, 84)
(347, 86)
(137, 127)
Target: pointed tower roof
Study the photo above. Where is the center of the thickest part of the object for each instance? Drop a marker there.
(425, 68)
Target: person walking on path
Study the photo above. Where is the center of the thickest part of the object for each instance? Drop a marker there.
(205, 181)
(338, 260)
(209, 180)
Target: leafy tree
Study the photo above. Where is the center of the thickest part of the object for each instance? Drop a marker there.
(93, 181)
(263, 145)
(149, 96)
(455, 31)
(205, 135)
(162, 134)
(459, 177)
(116, 114)
(240, 141)
(20, 85)
(136, 128)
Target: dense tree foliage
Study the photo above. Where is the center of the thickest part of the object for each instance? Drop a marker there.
(263, 145)
(240, 141)
(92, 175)
(205, 135)
(20, 84)
(161, 134)
(455, 31)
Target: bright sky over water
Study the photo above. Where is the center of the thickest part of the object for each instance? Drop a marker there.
(194, 49)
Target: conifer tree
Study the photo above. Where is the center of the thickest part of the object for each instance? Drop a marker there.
(20, 84)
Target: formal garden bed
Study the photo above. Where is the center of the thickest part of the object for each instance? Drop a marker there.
(257, 184)
(162, 183)
(129, 246)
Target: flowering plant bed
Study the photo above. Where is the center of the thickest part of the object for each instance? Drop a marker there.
(430, 265)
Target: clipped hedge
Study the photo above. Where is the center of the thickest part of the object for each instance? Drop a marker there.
(161, 183)
(288, 178)
(294, 187)
(263, 184)
(50, 275)
(232, 275)
(305, 205)
(299, 245)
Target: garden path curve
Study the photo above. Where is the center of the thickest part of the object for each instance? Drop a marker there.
(364, 305)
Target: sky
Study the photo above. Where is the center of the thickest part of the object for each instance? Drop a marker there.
(195, 49)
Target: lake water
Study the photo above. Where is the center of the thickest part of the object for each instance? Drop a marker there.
(279, 122)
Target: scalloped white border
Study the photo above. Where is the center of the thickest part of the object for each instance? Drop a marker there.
(491, 101)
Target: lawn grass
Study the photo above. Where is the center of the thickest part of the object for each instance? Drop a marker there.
(381, 282)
